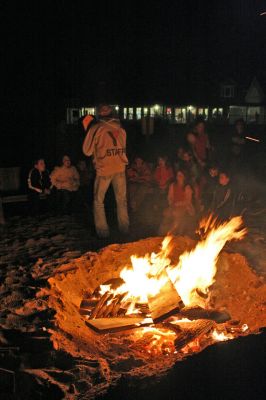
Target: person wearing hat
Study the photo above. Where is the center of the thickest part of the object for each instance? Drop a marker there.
(106, 142)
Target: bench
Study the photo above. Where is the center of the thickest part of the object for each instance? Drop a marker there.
(15, 198)
(10, 182)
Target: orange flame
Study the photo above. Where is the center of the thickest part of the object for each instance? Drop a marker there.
(194, 273)
(196, 269)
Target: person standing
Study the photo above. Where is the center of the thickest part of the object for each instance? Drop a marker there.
(201, 147)
(106, 142)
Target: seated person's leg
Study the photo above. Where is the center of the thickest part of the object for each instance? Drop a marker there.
(140, 195)
(132, 189)
(167, 220)
(34, 202)
(63, 200)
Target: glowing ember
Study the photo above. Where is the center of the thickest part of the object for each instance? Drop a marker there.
(221, 336)
(155, 341)
(244, 328)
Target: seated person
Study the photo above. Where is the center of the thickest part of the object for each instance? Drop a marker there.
(66, 181)
(210, 184)
(38, 183)
(178, 161)
(139, 182)
(179, 215)
(87, 175)
(190, 166)
(223, 201)
(163, 176)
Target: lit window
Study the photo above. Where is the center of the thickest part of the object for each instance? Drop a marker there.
(130, 113)
(158, 109)
(125, 113)
(203, 112)
(253, 114)
(217, 112)
(169, 112)
(180, 115)
(138, 112)
(191, 113)
(152, 111)
(89, 111)
(145, 111)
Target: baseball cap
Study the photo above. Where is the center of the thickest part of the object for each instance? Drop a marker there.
(104, 110)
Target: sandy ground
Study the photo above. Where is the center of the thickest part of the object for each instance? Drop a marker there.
(41, 257)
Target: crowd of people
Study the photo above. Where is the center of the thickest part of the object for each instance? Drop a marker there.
(178, 190)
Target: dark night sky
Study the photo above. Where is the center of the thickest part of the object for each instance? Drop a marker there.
(152, 50)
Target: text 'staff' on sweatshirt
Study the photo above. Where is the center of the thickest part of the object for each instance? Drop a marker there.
(106, 141)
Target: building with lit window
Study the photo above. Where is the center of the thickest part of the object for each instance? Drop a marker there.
(232, 103)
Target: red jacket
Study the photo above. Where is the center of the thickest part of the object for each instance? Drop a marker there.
(139, 174)
(163, 176)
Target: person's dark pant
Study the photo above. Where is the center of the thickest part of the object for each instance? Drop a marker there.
(40, 205)
(35, 202)
(65, 201)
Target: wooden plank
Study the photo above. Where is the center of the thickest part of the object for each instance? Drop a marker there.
(195, 313)
(189, 331)
(99, 305)
(111, 325)
(165, 303)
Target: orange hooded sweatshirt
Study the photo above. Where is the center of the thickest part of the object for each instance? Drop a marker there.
(106, 142)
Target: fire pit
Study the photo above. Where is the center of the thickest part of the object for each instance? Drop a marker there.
(138, 308)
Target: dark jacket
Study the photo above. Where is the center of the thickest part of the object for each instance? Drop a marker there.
(38, 181)
(223, 201)
(209, 190)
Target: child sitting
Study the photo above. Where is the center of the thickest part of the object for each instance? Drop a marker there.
(178, 216)
(139, 183)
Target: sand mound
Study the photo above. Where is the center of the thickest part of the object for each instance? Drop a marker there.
(237, 289)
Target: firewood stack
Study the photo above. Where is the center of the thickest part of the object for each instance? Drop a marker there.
(107, 313)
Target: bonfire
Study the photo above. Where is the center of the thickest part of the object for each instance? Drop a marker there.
(138, 308)
(153, 290)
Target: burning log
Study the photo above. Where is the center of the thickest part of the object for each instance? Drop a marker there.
(165, 303)
(196, 313)
(110, 306)
(99, 305)
(116, 305)
(86, 306)
(189, 331)
(111, 325)
(102, 310)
